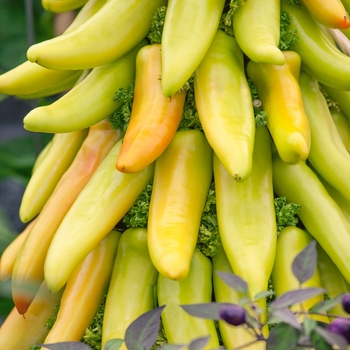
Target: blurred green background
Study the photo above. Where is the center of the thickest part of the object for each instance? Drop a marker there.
(22, 23)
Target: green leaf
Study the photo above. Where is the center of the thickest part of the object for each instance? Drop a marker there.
(113, 344)
(331, 338)
(304, 264)
(282, 337)
(286, 316)
(157, 24)
(264, 294)
(234, 281)
(143, 332)
(288, 37)
(285, 213)
(318, 342)
(309, 325)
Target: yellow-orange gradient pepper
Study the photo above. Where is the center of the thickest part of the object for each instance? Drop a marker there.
(154, 117)
(279, 92)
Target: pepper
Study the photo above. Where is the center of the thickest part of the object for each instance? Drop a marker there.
(189, 28)
(332, 280)
(331, 13)
(182, 178)
(232, 336)
(224, 105)
(341, 97)
(84, 292)
(62, 5)
(328, 155)
(94, 43)
(246, 217)
(196, 287)
(101, 204)
(131, 289)
(17, 332)
(291, 241)
(317, 52)
(154, 117)
(319, 213)
(29, 265)
(343, 126)
(256, 28)
(43, 181)
(88, 102)
(279, 92)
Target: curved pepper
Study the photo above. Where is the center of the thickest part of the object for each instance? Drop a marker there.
(188, 31)
(182, 178)
(331, 13)
(341, 97)
(328, 154)
(256, 26)
(196, 287)
(84, 291)
(232, 336)
(279, 92)
(246, 217)
(94, 43)
(224, 105)
(87, 103)
(101, 204)
(332, 280)
(291, 241)
(131, 289)
(154, 117)
(317, 52)
(18, 332)
(43, 181)
(29, 266)
(58, 6)
(319, 213)
(343, 126)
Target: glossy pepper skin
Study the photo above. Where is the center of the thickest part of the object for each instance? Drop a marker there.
(188, 31)
(341, 97)
(131, 289)
(317, 52)
(279, 92)
(224, 105)
(84, 291)
(196, 287)
(331, 14)
(328, 155)
(343, 126)
(246, 217)
(232, 336)
(256, 26)
(29, 264)
(21, 333)
(87, 103)
(291, 241)
(332, 280)
(102, 203)
(43, 181)
(154, 117)
(181, 182)
(319, 213)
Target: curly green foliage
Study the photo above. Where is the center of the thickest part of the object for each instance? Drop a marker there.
(208, 236)
(189, 119)
(157, 24)
(226, 17)
(285, 213)
(137, 216)
(93, 334)
(120, 118)
(260, 115)
(288, 37)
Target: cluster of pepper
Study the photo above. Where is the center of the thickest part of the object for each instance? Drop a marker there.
(200, 57)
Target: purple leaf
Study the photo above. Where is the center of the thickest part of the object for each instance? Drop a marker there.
(286, 316)
(143, 332)
(198, 343)
(67, 345)
(209, 311)
(265, 294)
(234, 281)
(282, 337)
(332, 338)
(171, 347)
(113, 344)
(325, 305)
(295, 296)
(305, 262)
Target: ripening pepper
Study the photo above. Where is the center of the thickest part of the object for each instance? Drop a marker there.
(196, 287)
(182, 178)
(328, 155)
(224, 105)
(279, 92)
(343, 126)
(101, 204)
(189, 28)
(319, 213)
(291, 241)
(318, 53)
(154, 117)
(29, 265)
(131, 288)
